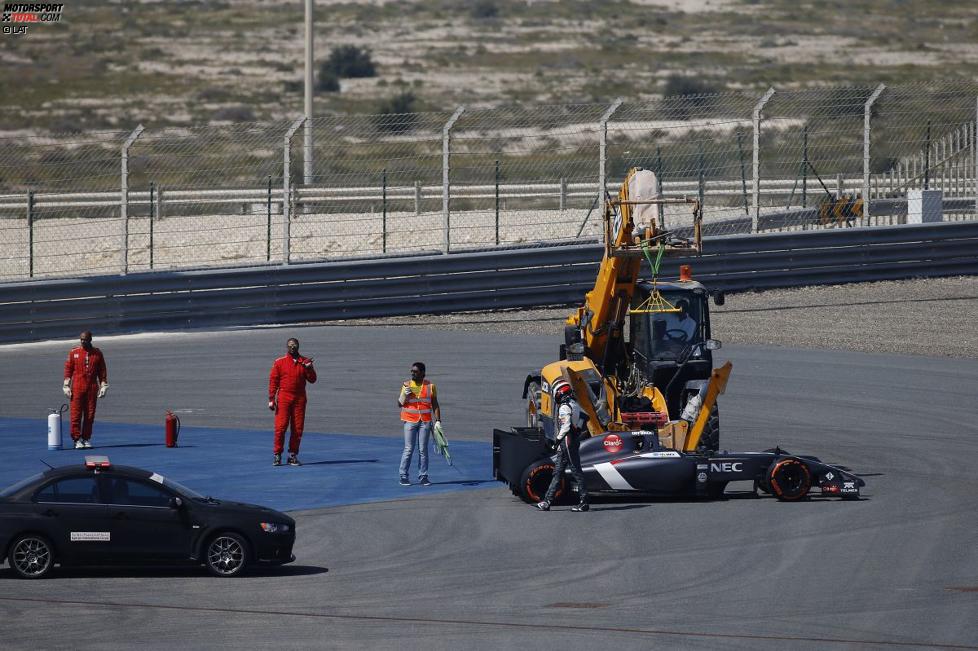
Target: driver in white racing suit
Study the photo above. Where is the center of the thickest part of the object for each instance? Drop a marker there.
(571, 425)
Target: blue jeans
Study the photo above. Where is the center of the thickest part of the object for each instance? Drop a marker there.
(416, 435)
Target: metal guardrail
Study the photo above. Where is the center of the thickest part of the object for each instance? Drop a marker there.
(559, 191)
(488, 280)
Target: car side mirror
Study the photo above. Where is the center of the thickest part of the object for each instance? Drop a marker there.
(719, 298)
(176, 503)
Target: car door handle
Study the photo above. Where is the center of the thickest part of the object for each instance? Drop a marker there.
(49, 513)
(121, 516)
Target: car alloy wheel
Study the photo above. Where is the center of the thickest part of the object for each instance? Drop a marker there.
(31, 557)
(226, 555)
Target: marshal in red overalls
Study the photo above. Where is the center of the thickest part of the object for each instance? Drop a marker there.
(287, 384)
(84, 372)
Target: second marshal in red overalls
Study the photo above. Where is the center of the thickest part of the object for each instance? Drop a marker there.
(287, 398)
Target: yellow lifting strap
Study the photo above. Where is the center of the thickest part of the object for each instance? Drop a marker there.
(656, 303)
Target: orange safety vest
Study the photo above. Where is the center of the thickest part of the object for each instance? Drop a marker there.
(417, 407)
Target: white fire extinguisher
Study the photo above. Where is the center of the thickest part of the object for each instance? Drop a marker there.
(54, 428)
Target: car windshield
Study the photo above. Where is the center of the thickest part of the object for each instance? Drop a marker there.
(16, 488)
(180, 488)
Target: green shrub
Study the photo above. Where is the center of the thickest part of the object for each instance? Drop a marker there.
(328, 82)
(234, 114)
(348, 61)
(396, 114)
(686, 96)
(482, 9)
(678, 86)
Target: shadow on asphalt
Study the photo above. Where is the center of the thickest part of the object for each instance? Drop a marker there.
(136, 445)
(463, 482)
(338, 461)
(164, 571)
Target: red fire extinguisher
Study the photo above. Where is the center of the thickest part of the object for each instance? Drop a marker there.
(172, 429)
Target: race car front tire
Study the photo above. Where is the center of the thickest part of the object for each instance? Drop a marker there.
(789, 479)
(536, 480)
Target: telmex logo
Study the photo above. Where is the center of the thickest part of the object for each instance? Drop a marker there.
(727, 466)
(612, 443)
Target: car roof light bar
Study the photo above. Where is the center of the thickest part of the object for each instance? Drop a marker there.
(97, 462)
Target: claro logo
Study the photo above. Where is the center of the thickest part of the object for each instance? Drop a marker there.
(612, 443)
(727, 466)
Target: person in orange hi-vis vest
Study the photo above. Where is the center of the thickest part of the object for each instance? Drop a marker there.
(86, 380)
(287, 398)
(418, 401)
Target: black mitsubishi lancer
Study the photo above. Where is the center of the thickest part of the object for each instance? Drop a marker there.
(99, 514)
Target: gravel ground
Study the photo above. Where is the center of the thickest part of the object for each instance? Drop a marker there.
(934, 317)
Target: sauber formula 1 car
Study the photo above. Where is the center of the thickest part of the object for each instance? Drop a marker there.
(635, 462)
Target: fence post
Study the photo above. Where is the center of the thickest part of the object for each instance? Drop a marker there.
(603, 147)
(497, 201)
(446, 137)
(867, 111)
(927, 160)
(268, 221)
(417, 198)
(756, 166)
(30, 233)
(287, 191)
(563, 194)
(383, 221)
(743, 170)
(701, 185)
(124, 198)
(804, 167)
(658, 170)
(152, 206)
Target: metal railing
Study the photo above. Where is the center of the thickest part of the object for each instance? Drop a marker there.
(147, 199)
(487, 280)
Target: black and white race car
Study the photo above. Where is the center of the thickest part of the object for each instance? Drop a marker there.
(635, 462)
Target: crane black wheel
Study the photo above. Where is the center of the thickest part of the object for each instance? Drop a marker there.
(31, 556)
(789, 479)
(226, 554)
(536, 480)
(710, 438)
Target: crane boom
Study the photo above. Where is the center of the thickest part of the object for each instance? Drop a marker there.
(599, 323)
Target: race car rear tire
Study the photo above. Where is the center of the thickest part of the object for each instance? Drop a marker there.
(710, 438)
(789, 479)
(536, 480)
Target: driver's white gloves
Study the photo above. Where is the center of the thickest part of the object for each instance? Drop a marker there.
(66, 387)
(103, 389)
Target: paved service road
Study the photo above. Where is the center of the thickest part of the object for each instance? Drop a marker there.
(481, 570)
